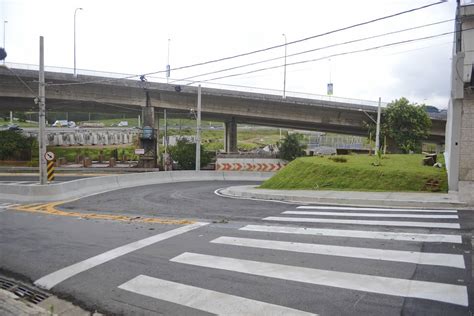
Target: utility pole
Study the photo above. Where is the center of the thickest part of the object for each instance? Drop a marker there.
(198, 131)
(42, 117)
(377, 133)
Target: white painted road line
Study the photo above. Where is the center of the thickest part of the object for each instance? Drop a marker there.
(344, 208)
(52, 279)
(455, 239)
(436, 259)
(370, 214)
(363, 222)
(448, 293)
(206, 300)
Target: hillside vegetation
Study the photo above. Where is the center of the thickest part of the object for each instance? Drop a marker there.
(397, 173)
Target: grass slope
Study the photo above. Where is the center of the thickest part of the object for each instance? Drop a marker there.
(397, 173)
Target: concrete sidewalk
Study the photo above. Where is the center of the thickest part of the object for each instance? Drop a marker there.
(350, 198)
(13, 305)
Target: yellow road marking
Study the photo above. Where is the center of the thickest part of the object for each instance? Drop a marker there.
(50, 208)
(59, 174)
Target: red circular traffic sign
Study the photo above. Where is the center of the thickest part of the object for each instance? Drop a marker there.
(49, 156)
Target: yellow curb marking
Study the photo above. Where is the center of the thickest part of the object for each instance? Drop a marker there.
(50, 208)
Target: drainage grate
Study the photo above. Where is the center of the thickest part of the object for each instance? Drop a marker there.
(26, 293)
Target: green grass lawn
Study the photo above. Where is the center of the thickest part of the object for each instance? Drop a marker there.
(397, 173)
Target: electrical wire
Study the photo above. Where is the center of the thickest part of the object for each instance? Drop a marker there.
(313, 50)
(263, 49)
(23, 82)
(329, 56)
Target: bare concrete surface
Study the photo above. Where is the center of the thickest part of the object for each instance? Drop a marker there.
(13, 305)
(390, 199)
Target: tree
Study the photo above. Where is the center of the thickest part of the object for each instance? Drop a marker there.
(15, 146)
(3, 53)
(184, 153)
(291, 147)
(407, 124)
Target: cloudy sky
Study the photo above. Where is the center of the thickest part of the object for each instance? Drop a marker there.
(131, 37)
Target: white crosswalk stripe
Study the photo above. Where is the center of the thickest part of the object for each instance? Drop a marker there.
(448, 293)
(371, 215)
(369, 281)
(206, 300)
(370, 209)
(438, 259)
(401, 236)
(363, 222)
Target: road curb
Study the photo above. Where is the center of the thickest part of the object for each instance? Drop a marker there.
(347, 198)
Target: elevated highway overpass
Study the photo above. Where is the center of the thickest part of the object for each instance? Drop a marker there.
(89, 93)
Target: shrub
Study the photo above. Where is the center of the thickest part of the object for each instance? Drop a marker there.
(338, 159)
(184, 153)
(15, 146)
(291, 148)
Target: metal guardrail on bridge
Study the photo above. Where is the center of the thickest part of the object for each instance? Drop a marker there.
(237, 88)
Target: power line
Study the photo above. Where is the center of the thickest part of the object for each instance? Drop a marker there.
(315, 49)
(329, 56)
(21, 80)
(263, 49)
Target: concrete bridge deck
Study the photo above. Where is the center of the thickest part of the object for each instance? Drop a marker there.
(105, 94)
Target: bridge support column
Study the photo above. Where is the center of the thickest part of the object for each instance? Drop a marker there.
(230, 136)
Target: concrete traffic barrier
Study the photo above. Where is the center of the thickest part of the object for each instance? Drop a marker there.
(87, 186)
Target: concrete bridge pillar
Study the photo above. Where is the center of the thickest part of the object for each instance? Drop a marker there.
(230, 136)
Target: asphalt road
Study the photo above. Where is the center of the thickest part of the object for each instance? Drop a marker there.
(241, 256)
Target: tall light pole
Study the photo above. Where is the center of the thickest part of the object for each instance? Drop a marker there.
(198, 131)
(284, 71)
(75, 11)
(4, 37)
(168, 67)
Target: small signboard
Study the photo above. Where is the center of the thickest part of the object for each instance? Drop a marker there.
(49, 156)
(330, 88)
(139, 151)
